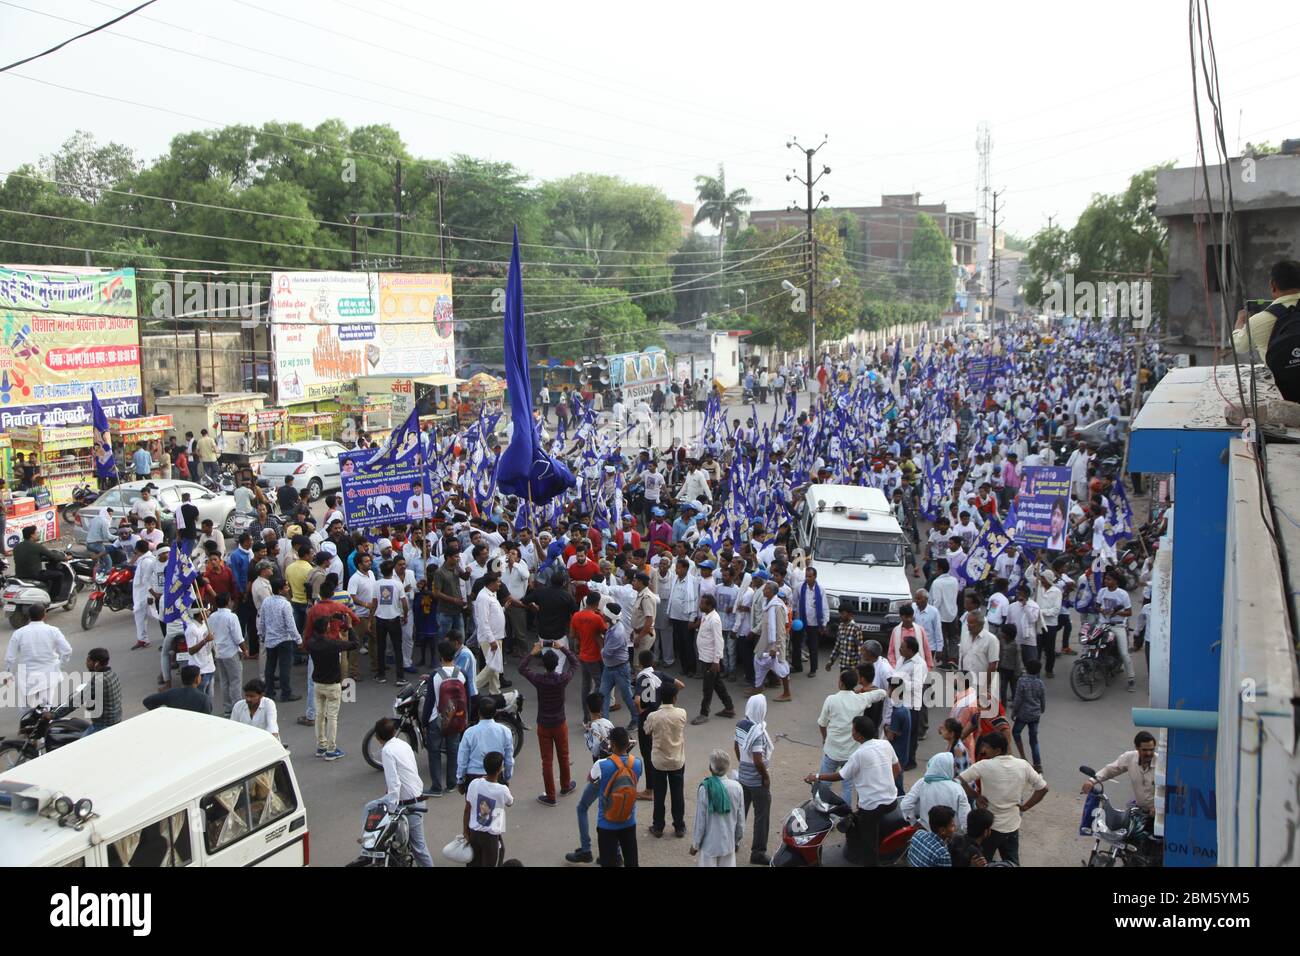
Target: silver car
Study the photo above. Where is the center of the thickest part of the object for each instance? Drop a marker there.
(168, 491)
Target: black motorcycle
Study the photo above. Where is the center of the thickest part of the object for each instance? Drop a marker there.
(41, 729)
(409, 704)
(1099, 661)
(1122, 837)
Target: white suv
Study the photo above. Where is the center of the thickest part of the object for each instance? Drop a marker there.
(313, 464)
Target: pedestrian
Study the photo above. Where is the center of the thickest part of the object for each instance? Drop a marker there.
(937, 788)
(587, 631)
(552, 724)
(836, 723)
(256, 709)
(667, 730)
(952, 732)
(446, 715)
(481, 739)
(103, 698)
(391, 611)
(617, 777)
(1003, 781)
(929, 846)
(719, 815)
(326, 645)
(912, 672)
(616, 671)
(1029, 705)
(186, 697)
(812, 614)
(769, 650)
(753, 746)
(486, 800)
(596, 734)
(1049, 602)
(710, 647)
(280, 637)
(490, 622)
(872, 770)
(35, 658)
(647, 687)
(402, 779)
(849, 635)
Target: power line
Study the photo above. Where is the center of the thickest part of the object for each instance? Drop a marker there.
(60, 46)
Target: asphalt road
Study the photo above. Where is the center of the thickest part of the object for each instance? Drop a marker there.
(1072, 732)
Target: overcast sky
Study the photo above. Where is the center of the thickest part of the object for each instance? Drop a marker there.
(1077, 97)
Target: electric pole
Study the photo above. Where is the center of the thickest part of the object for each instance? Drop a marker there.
(397, 205)
(440, 182)
(811, 251)
(993, 268)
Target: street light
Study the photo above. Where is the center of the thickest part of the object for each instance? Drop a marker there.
(746, 295)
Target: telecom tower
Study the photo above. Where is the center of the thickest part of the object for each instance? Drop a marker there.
(984, 145)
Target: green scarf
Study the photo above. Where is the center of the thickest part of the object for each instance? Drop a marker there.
(719, 801)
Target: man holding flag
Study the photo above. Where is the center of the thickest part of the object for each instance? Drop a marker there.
(105, 462)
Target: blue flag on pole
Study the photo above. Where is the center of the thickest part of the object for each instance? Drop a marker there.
(178, 580)
(526, 469)
(105, 462)
(401, 446)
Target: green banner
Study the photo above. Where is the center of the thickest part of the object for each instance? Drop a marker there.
(74, 292)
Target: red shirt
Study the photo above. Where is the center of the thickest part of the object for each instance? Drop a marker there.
(580, 574)
(221, 581)
(633, 536)
(593, 535)
(327, 610)
(588, 626)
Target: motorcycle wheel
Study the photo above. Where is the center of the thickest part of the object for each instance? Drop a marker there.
(370, 748)
(517, 732)
(12, 753)
(19, 618)
(90, 613)
(72, 597)
(1101, 860)
(1086, 679)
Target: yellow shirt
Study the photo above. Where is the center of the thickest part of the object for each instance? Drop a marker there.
(296, 574)
(1260, 326)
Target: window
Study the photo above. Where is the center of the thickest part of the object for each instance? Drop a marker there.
(1214, 274)
(243, 807)
(858, 547)
(284, 456)
(165, 842)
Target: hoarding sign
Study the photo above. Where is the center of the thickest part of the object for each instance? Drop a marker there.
(1043, 507)
(79, 292)
(386, 495)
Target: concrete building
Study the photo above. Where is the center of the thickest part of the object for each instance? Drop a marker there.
(188, 361)
(1266, 201)
(1224, 685)
(1011, 272)
(886, 230)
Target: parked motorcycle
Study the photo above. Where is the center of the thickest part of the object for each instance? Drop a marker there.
(1121, 837)
(805, 830)
(81, 496)
(1099, 661)
(110, 588)
(409, 704)
(19, 595)
(223, 484)
(386, 837)
(41, 729)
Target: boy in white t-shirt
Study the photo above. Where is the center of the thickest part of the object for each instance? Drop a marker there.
(485, 813)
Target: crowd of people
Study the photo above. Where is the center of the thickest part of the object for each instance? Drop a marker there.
(676, 569)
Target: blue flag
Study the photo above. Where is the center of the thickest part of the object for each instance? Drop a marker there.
(178, 580)
(401, 446)
(525, 469)
(1121, 515)
(105, 462)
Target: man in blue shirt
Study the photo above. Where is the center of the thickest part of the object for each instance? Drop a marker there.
(465, 660)
(616, 838)
(482, 739)
(142, 462)
(239, 561)
(929, 848)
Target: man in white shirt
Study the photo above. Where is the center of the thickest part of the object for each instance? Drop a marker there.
(1113, 609)
(836, 724)
(364, 591)
(696, 485)
(146, 506)
(979, 651)
(142, 590)
(229, 649)
(35, 658)
(1026, 617)
(709, 648)
(944, 590)
(490, 623)
(871, 770)
(402, 778)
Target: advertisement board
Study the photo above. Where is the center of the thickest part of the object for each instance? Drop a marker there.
(45, 520)
(329, 328)
(637, 373)
(387, 495)
(62, 333)
(1043, 507)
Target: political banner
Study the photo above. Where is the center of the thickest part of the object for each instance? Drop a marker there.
(1043, 507)
(984, 369)
(329, 328)
(75, 291)
(387, 493)
(988, 547)
(50, 362)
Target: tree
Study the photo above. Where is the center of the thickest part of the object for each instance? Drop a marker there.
(83, 169)
(1050, 257)
(929, 263)
(719, 208)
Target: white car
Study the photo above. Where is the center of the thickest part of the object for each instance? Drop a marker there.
(313, 464)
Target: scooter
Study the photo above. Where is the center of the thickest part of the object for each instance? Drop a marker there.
(41, 729)
(1124, 837)
(805, 830)
(19, 595)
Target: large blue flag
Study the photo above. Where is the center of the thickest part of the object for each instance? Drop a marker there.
(105, 461)
(178, 580)
(401, 447)
(525, 468)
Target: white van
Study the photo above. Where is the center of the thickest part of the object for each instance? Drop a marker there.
(166, 788)
(852, 538)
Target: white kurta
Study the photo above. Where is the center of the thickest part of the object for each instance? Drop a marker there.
(36, 655)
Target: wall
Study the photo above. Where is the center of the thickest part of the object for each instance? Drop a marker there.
(168, 363)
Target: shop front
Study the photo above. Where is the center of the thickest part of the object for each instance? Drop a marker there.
(60, 459)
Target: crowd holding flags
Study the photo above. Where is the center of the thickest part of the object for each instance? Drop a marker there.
(179, 577)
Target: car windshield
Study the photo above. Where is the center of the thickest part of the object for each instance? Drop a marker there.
(858, 547)
(284, 456)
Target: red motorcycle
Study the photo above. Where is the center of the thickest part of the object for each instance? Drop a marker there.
(805, 830)
(111, 589)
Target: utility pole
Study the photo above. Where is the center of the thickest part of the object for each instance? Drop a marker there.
(440, 182)
(993, 268)
(397, 206)
(811, 252)
(353, 220)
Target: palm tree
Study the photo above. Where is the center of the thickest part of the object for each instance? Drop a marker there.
(592, 240)
(719, 208)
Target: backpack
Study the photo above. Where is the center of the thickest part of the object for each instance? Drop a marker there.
(618, 800)
(1283, 354)
(453, 704)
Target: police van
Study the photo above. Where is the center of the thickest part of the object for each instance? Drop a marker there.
(850, 535)
(166, 788)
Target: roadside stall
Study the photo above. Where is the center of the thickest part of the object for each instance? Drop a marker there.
(306, 426)
(250, 434)
(23, 512)
(63, 457)
(6, 458)
(127, 433)
(368, 416)
(195, 412)
(482, 390)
